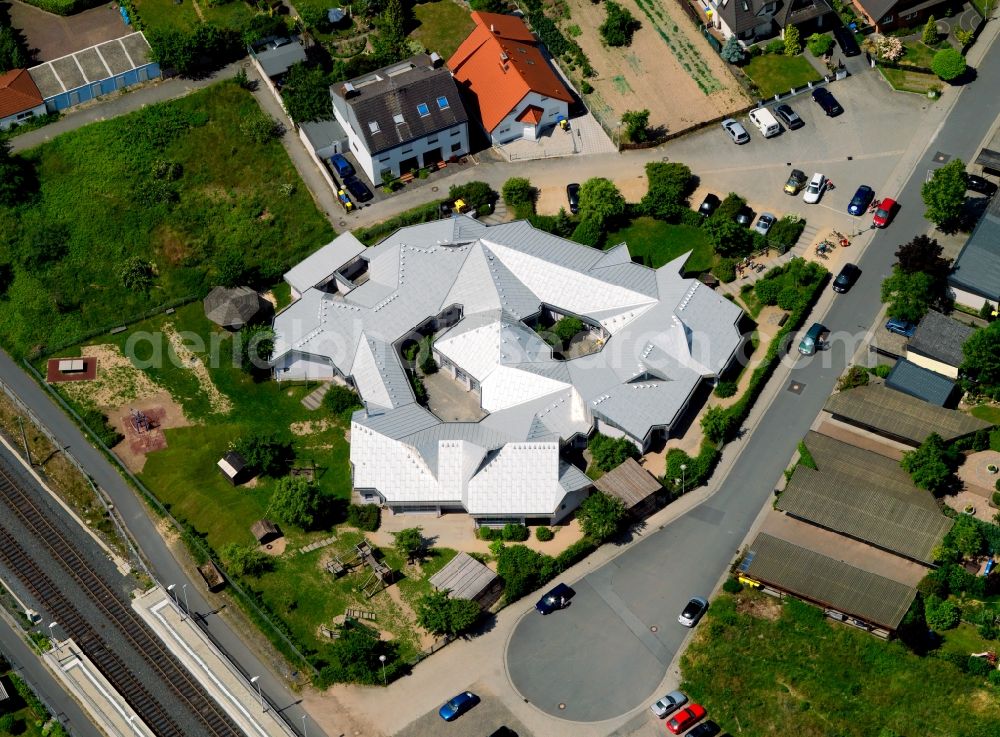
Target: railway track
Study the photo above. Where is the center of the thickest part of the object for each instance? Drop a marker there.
(161, 661)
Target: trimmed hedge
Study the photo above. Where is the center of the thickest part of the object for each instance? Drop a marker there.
(421, 214)
(65, 7)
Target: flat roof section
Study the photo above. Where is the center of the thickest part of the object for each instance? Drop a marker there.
(827, 581)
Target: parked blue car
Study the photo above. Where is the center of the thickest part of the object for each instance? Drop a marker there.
(458, 706)
(342, 166)
(862, 198)
(901, 327)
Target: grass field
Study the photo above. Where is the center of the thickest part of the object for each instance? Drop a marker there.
(906, 81)
(442, 25)
(919, 54)
(102, 201)
(657, 243)
(988, 413)
(795, 673)
(160, 14)
(775, 73)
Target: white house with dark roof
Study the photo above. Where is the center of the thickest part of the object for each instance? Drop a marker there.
(479, 290)
(402, 117)
(756, 20)
(975, 276)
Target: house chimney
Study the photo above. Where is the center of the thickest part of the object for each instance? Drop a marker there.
(435, 60)
(349, 90)
(493, 28)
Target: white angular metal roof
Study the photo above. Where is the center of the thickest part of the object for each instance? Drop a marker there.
(667, 333)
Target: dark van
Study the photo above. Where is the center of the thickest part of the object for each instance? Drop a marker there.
(814, 340)
(846, 40)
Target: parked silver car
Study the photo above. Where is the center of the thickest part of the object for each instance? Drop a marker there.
(764, 223)
(668, 704)
(736, 130)
(693, 611)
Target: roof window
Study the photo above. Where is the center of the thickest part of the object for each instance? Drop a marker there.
(443, 103)
(423, 110)
(373, 127)
(398, 119)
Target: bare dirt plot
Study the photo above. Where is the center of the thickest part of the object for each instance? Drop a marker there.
(117, 384)
(163, 413)
(669, 69)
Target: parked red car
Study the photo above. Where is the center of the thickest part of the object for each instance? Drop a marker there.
(685, 718)
(884, 212)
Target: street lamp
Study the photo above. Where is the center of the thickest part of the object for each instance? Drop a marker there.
(187, 607)
(618, 136)
(683, 479)
(131, 723)
(256, 680)
(52, 633)
(170, 590)
(305, 732)
(381, 659)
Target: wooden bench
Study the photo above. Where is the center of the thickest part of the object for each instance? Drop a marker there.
(360, 614)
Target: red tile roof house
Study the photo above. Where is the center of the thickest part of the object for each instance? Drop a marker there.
(502, 71)
(19, 98)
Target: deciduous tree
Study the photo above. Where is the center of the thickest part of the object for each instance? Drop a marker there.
(296, 500)
(944, 194)
(619, 25)
(609, 452)
(601, 201)
(601, 516)
(981, 364)
(245, 560)
(948, 64)
(931, 465)
(793, 41)
(439, 614)
(264, 451)
(409, 542)
(306, 94)
(909, 296)
(636, 124)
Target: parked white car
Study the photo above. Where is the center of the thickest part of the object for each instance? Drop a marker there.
(815, 188)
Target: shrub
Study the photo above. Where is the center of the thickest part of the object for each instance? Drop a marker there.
(564, 330)
(305, 93)
(725, 389)
(948, 64)
(930, 33)
(725, 270)
(586, 87)
(882, 370)
(994, 678)
(819, 44)
(513, 532)
(601, 516)
(793, 42)
(365, 517)
(767, 290)
(477, 195)
(521, 569)
(588, 232)
(636, 124)
(733, 51)
(619, 25)
(785, 233)
(609, 452)
(246, 560)
(518, 192)
(789, 298)
(777, 46)
(263, 451)
(732, 586)
(341, 402)
(488, 533)
(965, 35)
(979, 667)
(259, 127)
(889, 48)
(575, 553)
(942, 615)
(856, 376)
(544, 534)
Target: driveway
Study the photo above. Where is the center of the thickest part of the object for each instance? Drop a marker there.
(52, 36)
(603, 657)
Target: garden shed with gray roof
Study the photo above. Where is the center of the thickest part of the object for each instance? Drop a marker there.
(937, 343)
(922, 383)
(232, 308)
(633, 485)
(464, 577)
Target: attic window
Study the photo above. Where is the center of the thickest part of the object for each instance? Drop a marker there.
(746, 6)
(443, 103)
(373, 127)
(398, 119)
(423, 110)
(523, 51)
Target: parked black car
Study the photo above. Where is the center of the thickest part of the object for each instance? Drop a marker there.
(557, 598)
(827, 101)
(980, 184)
(846, 278)
(709, 205)
(573, 196)
(358, 189)
(846, 41)
(789, 117)
(744, 217)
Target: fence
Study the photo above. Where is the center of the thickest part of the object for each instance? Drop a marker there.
(191, 540)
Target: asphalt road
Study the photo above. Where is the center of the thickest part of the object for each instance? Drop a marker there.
(138, 521)
(601, 657)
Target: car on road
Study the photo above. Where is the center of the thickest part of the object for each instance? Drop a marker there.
(827, 101)
(557, 598)
(685, 718)
(709, 205)
(861, 199)
(342, 166)
(981, 185)
(573, 197)
(796, 181)
(846, 278)
(815, 189)
(458, 705)
(899, 326)
(789, 117)
(668, 704)
(884, 212)
(693, 611)
(814, 339)
(705, 729)
(358, 189)
(744, 217)
(846, 41)
(736, 131)
(764, 223)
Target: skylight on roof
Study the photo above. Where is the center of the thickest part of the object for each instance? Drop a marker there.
(373, 126)
(398, 119)
(423, 110)
(443, 103)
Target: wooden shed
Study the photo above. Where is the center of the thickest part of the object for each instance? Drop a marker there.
(265, 531)
(466, 578)
(634, 485)
(234, 468)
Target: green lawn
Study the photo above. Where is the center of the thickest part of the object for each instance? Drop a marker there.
(101, 202)
(906, 81)
(442, 25)
(27, 719)
(159, 14)
(776, 73)
(988, 413)
(919, 54)
(800, 674)
(656, 243)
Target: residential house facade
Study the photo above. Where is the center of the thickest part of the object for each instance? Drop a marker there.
(20, 99)
(755, 20)
(402, 117)
(503, 72)
(936, 345)
(887, 15)
(975, 277)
